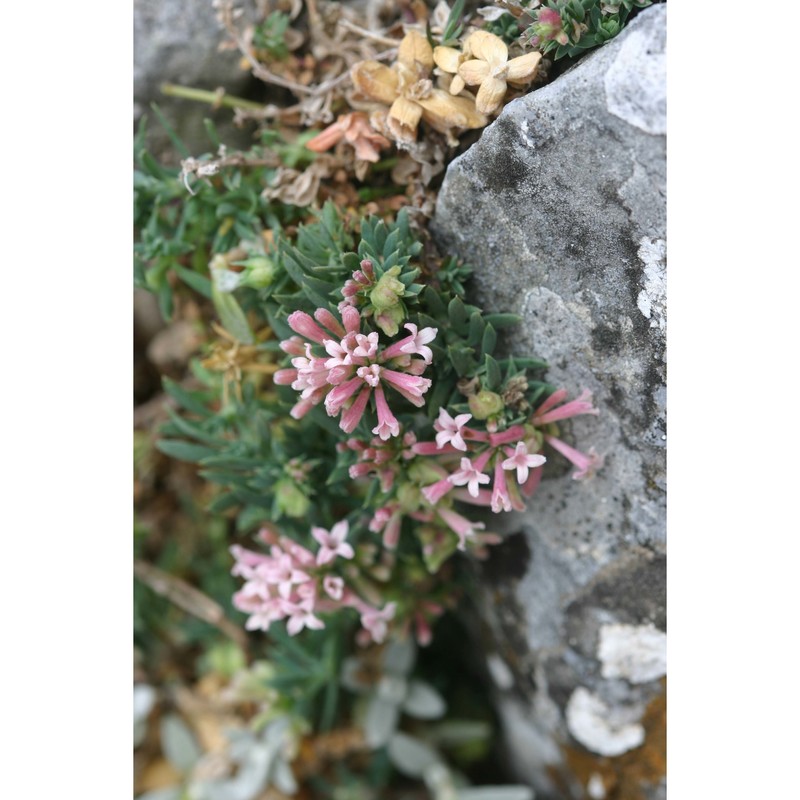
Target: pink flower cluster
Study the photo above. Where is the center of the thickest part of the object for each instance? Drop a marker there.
(356, 368)
(380, 458)
(292, 584)
(555, 409)
(486, 460)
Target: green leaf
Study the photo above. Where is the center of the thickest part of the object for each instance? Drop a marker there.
(184, 451)
(231, 316)
(186, 399)
(489, 340)
(500, 321)
(457, 313)
(200, 283)
(173, 137)
(494, 375)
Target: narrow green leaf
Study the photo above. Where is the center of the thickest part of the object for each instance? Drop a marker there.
(184, 451)
(494, 375)
(200, 283)
(231, 316)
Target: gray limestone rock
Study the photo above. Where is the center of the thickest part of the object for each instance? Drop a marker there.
(560, 207)
(177, 41)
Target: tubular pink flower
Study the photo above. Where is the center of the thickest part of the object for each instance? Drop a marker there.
(339, 352)
(285, 377)
(388, 425)
(375, 622)
(352, 416)
(520, 461)
(351, 319)
(333, 543)
(415, 344)
(461, 526)
(333, 586)
(324, 317)
(366, 346)
(433, 449)
(302, 323)
(513, 433)
(587, 464)
(410, 386)
(304, 405)
(370, 375)
(293, 346)
(436, 491)
(449, 429)
(340, 394)
(548, 413)
(301, 616)
(500, 499)
(470, 476)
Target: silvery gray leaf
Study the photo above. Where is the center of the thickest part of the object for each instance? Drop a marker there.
(411, 756)
(392, 689)
(283, 778)
(350, 676)
(458, 731)
(423, 701)
(496, 793)
(380, 721)
(144, 698)
(399, 656)
(168, 793)
(178, 743)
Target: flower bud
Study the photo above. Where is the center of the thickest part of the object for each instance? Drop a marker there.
(260, 272)
(389, 320)
(485, 404)
(290, 499)
(388, 291)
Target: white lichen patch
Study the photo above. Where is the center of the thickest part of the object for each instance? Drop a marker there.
(595, 788)
(637, 653)
(652, 300)
(500, 671)
(603, 730)
(635, 83)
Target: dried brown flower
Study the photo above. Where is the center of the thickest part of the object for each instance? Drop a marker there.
(492, 71)
(407, 88)
(355, 130)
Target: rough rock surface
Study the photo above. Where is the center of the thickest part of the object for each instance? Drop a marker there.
(561, 209)
(177, 41)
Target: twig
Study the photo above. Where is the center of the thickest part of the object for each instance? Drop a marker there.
(376, 37)
(191, 600)
(216, 99)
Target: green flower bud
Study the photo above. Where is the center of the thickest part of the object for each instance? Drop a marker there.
(389, 319)
(290, 499)
(485, 404)
(388, 291)
(423, 473)
(260, 272)
(409, 496)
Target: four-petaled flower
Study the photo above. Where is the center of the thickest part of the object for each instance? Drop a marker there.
(469, 476)
(332, 543)
(521, 461)
(449, 429)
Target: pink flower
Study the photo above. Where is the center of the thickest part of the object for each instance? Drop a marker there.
(410, 386)
(415, 344)
(301, 616)
(547, 411)
(333, 586)
(387, 423)
(376, 621)
(283, 573)
(587, 464)
(461, 526)
(333, 543)
(500, 497)
(522, 462)
(469, 476)
(449, 429)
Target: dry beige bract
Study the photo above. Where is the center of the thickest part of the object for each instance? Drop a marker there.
(492, 71)
(407, 88)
